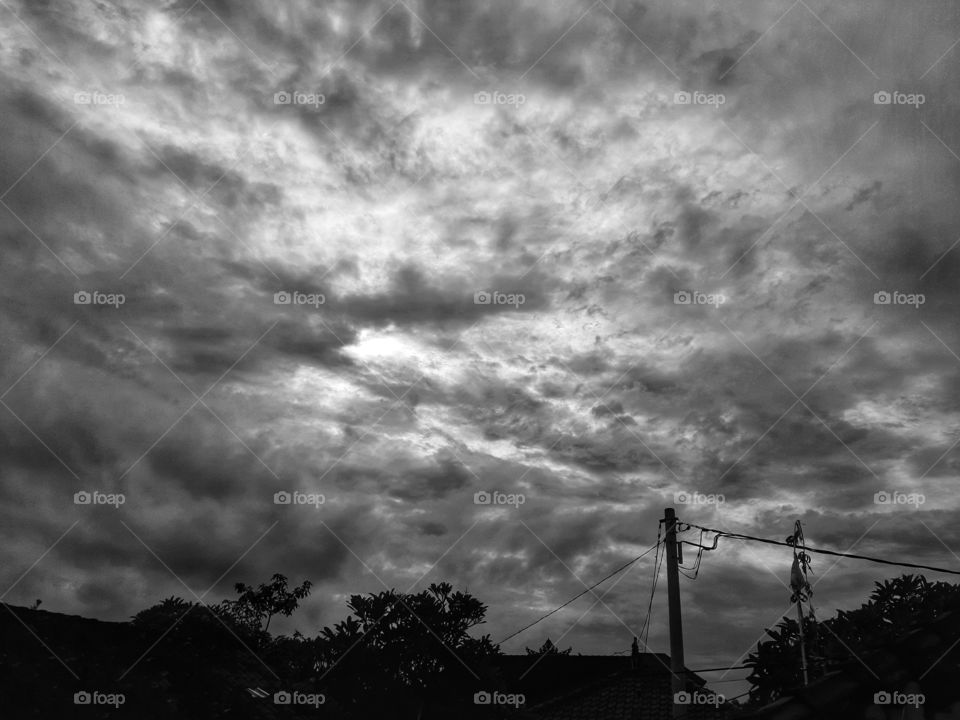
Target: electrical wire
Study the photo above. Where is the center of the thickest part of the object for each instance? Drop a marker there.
(653, 589)
(726, 680)
(734, 667)
(579, 595)
(741, 536)
(696, 567)
(646, 638)
(656, 673)
(658, 565)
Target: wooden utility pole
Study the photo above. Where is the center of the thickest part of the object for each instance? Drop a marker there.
(677, 668)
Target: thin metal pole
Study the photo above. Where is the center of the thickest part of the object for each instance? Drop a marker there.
(803, 646)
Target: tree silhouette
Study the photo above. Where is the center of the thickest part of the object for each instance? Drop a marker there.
(396, 655)
(409, 652)
(194, 650)
(548, 648)
(255, 608)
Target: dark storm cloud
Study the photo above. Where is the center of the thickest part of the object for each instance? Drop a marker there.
(76, 441)
(317, 343)
(865, 194)
(84, 180)
(439, 478)
(416, 298)
(226, 186)
(433, 529)
(208, 463)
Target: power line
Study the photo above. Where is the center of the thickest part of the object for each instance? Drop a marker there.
(719, 533)
(557, 609)
(768, 663)
(659, 673)
(734, 667)
(645, 630)
(696, 567)
(727, 680)
(653, 589)
(741, 536)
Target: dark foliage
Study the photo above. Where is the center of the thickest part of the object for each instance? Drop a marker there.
(409, 653)
(548, 648)
(894, 607)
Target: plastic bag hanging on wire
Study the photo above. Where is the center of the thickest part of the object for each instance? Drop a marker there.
(799, 585)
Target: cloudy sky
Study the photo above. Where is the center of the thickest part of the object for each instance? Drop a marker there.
(679, 213)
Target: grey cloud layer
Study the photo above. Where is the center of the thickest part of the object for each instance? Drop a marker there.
(397, 199)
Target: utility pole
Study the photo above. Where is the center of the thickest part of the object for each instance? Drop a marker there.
(801, 589)
(678, 683)
(803, 647)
